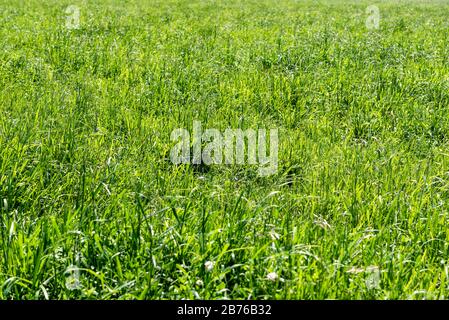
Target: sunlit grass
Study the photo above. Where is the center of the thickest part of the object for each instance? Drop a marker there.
(86, 114)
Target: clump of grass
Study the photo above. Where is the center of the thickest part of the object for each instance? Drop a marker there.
(91, 208)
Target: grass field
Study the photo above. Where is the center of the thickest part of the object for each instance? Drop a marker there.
(91, 207)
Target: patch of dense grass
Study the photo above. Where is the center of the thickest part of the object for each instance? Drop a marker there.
(85, 123)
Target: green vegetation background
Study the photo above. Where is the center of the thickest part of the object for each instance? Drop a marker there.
(90, 206)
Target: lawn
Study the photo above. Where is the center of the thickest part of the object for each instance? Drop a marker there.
(91, 207)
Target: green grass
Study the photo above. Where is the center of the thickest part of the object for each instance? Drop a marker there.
(85, 123)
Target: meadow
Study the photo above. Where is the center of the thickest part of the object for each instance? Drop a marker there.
(92, 208)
